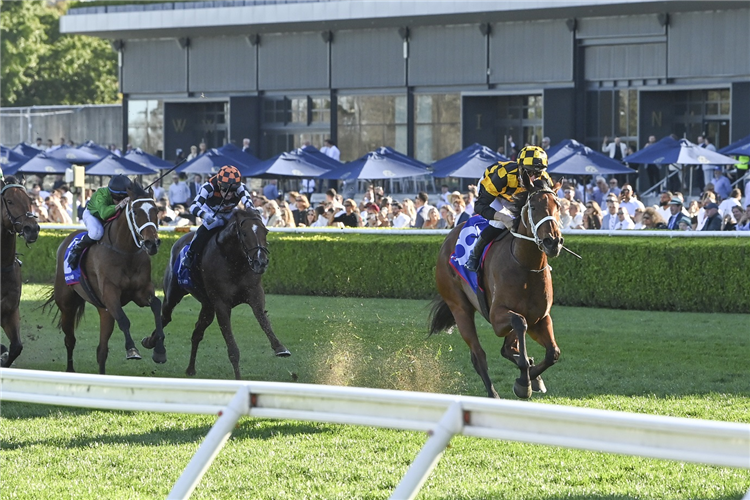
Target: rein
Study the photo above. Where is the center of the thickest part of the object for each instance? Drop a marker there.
(15, 221)
(137, 231)
(249, 251)
(534, 226)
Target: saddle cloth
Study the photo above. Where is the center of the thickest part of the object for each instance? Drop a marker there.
(184, 276)
(73, 276)
(467, 239)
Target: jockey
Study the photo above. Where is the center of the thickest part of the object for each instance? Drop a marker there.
(214, 203)
(501, 182)
(104, 203)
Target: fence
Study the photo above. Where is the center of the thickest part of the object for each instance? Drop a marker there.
(442, 416)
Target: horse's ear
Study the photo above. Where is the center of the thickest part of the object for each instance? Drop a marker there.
(558, 185)
(150, 192)
(526, 180)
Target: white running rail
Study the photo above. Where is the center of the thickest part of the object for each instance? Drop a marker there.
(442, 416)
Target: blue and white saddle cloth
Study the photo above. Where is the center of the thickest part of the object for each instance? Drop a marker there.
(73, 276)
(467, 239)
(184, 278)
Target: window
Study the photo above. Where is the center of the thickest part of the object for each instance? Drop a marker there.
(146, 125)
(438, 126)
(369, 122)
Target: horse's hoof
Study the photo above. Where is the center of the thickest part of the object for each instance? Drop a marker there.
(190, 373)
(158, 357)
(133, 354)
(283, 353)
(523, 392)
(4, 359)
(537, 385)
(147, 343)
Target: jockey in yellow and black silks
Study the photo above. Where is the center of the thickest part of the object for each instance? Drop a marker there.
(500, 183)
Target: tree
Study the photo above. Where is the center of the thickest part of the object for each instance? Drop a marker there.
(42, 67)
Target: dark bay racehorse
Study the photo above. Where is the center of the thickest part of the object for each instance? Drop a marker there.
(228, 274)
(518, 284)
(17, 219)
(119, 272)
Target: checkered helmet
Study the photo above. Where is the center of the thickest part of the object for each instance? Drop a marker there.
(229, 177)
(532, 158)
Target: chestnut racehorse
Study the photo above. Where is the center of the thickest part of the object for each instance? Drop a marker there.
(17, 219)
(119, 272)
(518, 285)
(229, 273)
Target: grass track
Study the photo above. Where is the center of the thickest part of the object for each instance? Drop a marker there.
(691, 365)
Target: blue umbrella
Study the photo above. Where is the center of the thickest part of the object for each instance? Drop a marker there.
(240, 156)
(114, 165)
(384, 163)
(94, 149)
(319, 158)
(561, 150)
(73, 155)
(669, 150)
(577, 159)
(469, 162)
(741, 147)
(147, 160)
(26, 150)
(10, 161)
(44, 164)
(297, 163)
(210, 163)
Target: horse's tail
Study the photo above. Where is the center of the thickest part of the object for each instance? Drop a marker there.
(79, 311)
(441, 317)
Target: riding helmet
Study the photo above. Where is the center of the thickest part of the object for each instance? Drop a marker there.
(229, 177)
(532, 158)
(119, 185)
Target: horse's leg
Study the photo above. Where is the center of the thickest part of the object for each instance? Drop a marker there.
(112, 301)
(106, 327)
(463, 313)
(205, 317)
(156, 340)
(543, 333)
(510, 352)
(506, 323)
(173, 294)
(69, 303)
(258, 304)
(11, 323)
(224, 316)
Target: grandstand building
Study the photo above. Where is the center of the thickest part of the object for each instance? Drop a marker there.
(426, 77)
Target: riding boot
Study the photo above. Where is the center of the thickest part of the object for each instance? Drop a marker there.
(487, 235)
(74, 257)
(202, 235)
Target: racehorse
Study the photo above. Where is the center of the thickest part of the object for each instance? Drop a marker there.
(17, 219)
(518, 286)
(118, 271)
(231, 267)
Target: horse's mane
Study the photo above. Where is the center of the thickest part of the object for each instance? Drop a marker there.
(520, 199)
(138, 191)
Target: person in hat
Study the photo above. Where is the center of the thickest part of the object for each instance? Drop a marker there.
(104, 203)
(214, 203)
(675, 209)
(501, 182)
(713, 219)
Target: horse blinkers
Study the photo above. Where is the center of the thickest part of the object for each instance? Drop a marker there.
(547, 230)
(148, 231)
(257, 256)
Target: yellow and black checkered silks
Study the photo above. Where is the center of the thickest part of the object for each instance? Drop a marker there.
(532, 158)
(502, 179)
(228, 175)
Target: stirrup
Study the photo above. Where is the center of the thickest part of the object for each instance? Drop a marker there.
(472, 268)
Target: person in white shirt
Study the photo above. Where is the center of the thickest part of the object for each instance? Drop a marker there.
(330, 150)
(400, 219)
(623, 220)
(179, 192)
(628, 202)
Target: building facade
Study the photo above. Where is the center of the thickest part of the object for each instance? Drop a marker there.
(426, 78)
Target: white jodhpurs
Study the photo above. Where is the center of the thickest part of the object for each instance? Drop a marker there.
(93, 225)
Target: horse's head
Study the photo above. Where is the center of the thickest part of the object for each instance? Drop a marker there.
(142, 218)
(252, 233)
(16, 206)
(541, 215)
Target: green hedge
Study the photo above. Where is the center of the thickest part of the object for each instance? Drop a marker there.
(672, 274)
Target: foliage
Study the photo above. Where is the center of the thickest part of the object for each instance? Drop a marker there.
(668, 274)
(43, 67)
(643, 362)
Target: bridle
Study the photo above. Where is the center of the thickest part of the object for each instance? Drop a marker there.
(136, 231)
(249, 252)
(536, 225)
(15, 221)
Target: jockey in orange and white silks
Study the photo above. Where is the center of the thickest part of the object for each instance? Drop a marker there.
(501, 182)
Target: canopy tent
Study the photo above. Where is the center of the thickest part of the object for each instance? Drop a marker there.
(383, 163)
(10, 161)
(684, 152)
(73, 155)
(26, 150)
(470, 162)
(147, 160)
(297, 163)
(562, 149)
(210, 163)
(44, 164)
(577, 159)
(741, 147)
(114, 165)
(323, 160)
(94, 149)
